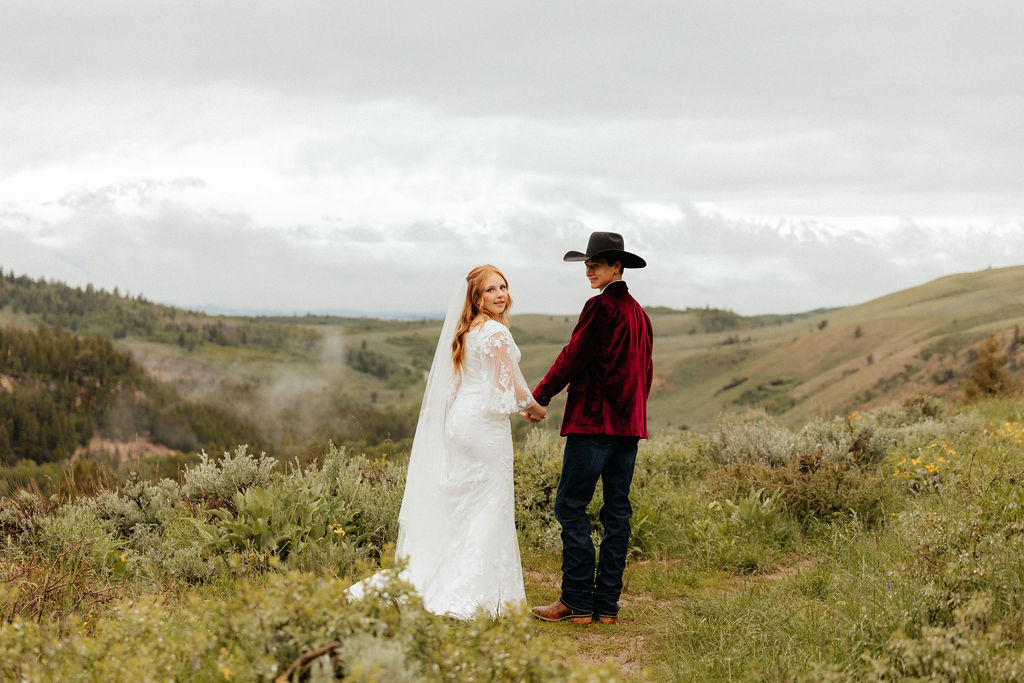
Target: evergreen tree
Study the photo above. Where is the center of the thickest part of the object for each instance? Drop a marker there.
(30, 438)
(987, 376)
(6, 451)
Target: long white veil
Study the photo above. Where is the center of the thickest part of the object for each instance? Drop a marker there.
(423, 511)
(424, 517)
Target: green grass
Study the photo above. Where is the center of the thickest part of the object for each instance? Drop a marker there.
(751, 561)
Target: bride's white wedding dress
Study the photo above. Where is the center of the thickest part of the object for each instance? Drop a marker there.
(457, 529)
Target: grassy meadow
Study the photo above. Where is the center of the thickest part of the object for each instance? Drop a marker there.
(878, 546)
(815, 502)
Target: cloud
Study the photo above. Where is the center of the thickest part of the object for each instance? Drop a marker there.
(253, 154)
(173, 254)
(537, 58)
(138, 193)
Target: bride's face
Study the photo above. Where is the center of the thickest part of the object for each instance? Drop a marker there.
(495, 295)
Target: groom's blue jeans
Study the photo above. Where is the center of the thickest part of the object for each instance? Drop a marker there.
(589, 457)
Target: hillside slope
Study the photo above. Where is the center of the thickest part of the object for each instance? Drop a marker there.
(61, 394)
(918, 340)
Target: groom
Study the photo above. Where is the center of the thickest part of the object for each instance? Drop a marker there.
(607, 365)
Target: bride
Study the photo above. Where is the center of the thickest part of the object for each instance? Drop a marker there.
(456, 527)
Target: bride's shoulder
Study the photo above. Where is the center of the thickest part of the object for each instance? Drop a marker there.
(493, 328)
(487, 326)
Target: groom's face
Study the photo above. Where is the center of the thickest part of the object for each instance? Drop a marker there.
(600, 272)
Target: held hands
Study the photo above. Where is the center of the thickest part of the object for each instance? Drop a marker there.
(535, 413)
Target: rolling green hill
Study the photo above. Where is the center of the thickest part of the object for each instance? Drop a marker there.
(60, 394)
(307, 379)
(835, 362)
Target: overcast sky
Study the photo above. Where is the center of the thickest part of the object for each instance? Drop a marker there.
(360, 156)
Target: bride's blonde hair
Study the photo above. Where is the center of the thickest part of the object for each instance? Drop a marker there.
(472, 307)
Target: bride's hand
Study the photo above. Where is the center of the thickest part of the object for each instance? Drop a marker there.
(535, 413)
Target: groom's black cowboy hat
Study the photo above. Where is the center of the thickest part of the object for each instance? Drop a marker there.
(607, 245)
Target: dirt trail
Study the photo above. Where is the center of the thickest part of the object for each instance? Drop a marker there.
(626, 646)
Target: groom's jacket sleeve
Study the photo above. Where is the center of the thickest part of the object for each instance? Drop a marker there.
(577, 355)
(607, 366)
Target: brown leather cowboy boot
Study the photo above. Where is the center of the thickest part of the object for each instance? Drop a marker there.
(559, 611)
(605, 619)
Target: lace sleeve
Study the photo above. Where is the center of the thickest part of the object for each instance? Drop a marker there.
(508, 391)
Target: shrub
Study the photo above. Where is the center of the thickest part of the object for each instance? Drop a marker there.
(862, 439)
(752, 436)
(813, 489)
(325, 517)
(831, 468)
(19, 514)
(215, 482)
(853, 439)
(371, 489)
(277, 521)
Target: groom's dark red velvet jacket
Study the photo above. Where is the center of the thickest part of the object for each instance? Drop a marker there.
(607, 365)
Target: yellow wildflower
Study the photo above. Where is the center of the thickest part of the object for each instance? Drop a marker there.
(225, 672)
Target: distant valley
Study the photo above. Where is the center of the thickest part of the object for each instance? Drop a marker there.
(301, 381)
